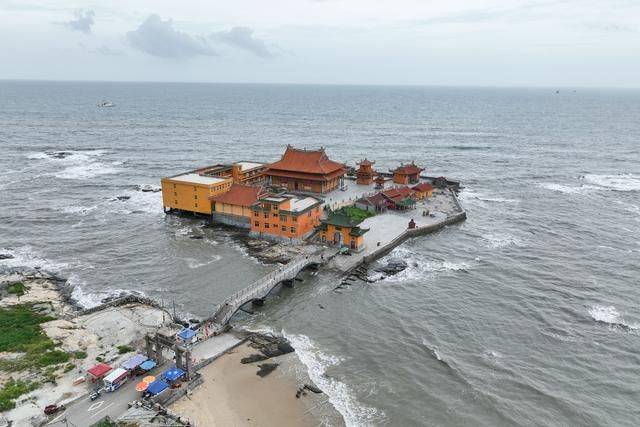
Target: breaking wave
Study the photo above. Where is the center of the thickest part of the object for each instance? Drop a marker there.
(418, 269)
(622, 182)
(77, 164)
(339, 394)
(560, 188)
(467, 195)
(610, 316)
(26, 257)
(496, 241)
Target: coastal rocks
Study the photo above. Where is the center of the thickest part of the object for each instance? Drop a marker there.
(122, 198)
(6, 256)
(302, 391)
(148, 188)
(58, 154)
(394, 266)
(266, 369)
(253, 358)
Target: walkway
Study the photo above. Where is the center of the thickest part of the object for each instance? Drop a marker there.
(259, 289)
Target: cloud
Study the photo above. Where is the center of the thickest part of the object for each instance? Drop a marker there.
(242, 38)
(106, 50)
(158, 38)
(82, 22)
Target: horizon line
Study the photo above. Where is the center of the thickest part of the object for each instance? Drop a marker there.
(478, 86)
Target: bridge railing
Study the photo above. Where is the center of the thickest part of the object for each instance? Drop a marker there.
(255, 289)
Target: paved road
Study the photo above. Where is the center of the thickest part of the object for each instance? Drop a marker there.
(84, 412)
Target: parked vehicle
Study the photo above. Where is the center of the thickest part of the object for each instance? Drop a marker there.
(52, 409)
(115, 379)
(96, 394)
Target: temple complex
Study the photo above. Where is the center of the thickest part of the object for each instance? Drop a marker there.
(285, 216)
(306, 170)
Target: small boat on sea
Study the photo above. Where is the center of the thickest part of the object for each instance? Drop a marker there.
(105, 103)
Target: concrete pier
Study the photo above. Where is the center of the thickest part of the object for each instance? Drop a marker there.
(390, 229)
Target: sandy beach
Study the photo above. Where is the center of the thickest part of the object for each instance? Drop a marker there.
(233, 395)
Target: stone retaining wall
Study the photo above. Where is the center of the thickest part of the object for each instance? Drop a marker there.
(232, 220)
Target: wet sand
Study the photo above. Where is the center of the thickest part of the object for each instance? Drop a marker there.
(233, 395)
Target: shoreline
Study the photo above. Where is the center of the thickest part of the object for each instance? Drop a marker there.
(233, 394)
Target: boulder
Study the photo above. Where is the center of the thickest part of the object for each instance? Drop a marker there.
(253, 358)
(6, 256)
(266, 369)
(313, 388)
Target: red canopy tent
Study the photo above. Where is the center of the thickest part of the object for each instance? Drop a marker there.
(99, 371)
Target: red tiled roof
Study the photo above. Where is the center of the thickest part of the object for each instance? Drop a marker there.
(306, 176)
(423, 187)
(398, 193)
(410, 169)
(366, 162)
(376, 199)
(99, 370)
(304, 161)
(239, 195)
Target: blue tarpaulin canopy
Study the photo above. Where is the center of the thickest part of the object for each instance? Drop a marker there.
(134, 361)
(186, 334)
(148, 364)
(173, 374)
(157, 387)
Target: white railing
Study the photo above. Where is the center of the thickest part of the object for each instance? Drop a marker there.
(258, 288)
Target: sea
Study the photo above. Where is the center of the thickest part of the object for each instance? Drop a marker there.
(526, 314)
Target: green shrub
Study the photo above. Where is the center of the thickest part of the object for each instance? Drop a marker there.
(122, 349)
(13, 390)
(18, 288)
(20, 328)
(79, 355)
(69, 367)
(356, 213)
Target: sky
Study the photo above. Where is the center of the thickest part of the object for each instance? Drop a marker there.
(551, 43)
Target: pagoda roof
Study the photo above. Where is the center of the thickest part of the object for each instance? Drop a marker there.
(366, 162)
(398, 193)
(306, 161)
(423, 187)
(240, 195)
(409, 169)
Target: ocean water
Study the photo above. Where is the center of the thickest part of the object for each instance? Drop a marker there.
(526, 314)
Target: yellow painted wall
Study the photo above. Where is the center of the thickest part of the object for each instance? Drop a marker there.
(346, 238)
(233, 209)
(191, 197)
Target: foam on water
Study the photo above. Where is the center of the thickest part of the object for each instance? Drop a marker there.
(610, 315)
(27, 257)
(138, 202)
(622, 182)
(500, 240)
(468, 195)
(417, 269)
(561, 188)
(339, 394)
(77, 164)
(78, 210)
(194, 263)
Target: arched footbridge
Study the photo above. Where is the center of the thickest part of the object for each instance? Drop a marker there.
(258, 290)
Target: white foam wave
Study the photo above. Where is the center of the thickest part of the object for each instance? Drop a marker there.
(77, 164)
(418, 269)
(560, 188)
(467, 195)
(139, 202)
(194, 263)
(610, 315)
(497, 240)
(27, 257)
(339, 394)
(88, 170)
(621, 182)
(85, 299)
(78, 210)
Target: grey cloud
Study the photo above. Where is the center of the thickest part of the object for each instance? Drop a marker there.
(158, 38)
(107, 51)
(82, 22)
(243, 38)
